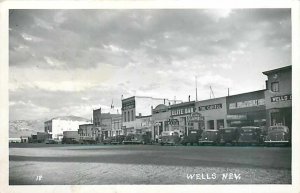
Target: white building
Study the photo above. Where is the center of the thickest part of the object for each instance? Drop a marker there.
(56, 126)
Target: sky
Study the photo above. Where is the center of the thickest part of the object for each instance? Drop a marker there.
(69, 62)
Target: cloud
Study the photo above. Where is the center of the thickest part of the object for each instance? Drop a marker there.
(74, 60)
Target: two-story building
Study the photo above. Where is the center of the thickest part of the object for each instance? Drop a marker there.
(278, 96)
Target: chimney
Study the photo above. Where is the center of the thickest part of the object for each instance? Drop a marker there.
(189, 98)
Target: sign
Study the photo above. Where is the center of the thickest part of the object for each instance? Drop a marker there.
(210, 107)
(281, 98)
(128, 105)
(195, 117)
(173, 122)
(182, 111)
(245, 104)
(236, 117)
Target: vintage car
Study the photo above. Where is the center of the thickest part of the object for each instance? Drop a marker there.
(192, 138)
(250, 135)
(69, 141)
(278, 135)
(170, 138)
(209, 137)
(118, 139)
(108, 140)
(51, 141)
(229, 135)
(137, 139)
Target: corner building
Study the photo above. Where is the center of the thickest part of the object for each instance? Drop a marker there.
(279, 96)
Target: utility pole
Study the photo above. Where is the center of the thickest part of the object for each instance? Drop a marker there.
(196, 89)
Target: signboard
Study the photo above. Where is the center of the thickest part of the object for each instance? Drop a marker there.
(128, 105)
(173, 122)
(236, 117)
(195, 117)
(210, 107)
(245, 104)
(182, 111)
(281, 98)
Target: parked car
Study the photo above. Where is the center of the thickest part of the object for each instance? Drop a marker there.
(118, 139)
(170, 138)
(69, 141)
(210, 137)
(278, 135)
(108, 140)
(192, 138)
(250, 135)
(136, 139)
(51, 141)
(229, 135)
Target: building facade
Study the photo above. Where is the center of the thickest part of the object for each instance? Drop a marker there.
(182, 112)
(137, 111)
(214, 112)
(56, 126)
(87, 132)
(246, 109)
(278, 96)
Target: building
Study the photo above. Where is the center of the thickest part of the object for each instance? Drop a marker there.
(108, 124)
(161, 116)
(183, 112)
(137, 111)
(246, 109)
(214, 112)
(25, 139)
(116, 125)
(14, 140)
(88, 133)
(56, 126)
(278, 95)
(69, 135)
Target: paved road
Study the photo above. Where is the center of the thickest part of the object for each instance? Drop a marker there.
(148, 164)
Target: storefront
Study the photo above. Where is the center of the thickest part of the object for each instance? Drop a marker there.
(247, 109)
(214, 113)
(182, 113)
(279, 96)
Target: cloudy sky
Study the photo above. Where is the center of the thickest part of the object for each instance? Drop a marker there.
(65, 62)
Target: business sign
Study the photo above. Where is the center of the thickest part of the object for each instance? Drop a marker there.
(245, 104)
(281, 98)
(173, 122)
(182, 111)
(128, 105)
(195, 117)
(236, 117)
(210, 107)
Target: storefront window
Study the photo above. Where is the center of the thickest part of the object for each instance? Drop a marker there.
(275, 86)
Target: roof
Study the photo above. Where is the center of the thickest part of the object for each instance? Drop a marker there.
(71, 118)
(160, 107)
(183, 104)
(286, 68)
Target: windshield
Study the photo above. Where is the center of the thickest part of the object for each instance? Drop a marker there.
(248, 130)
(284, 129)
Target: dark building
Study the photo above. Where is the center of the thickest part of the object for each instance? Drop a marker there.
(246, 109)
(278, 96)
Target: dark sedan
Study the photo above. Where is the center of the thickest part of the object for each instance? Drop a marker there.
(210, 137)
(278, 135)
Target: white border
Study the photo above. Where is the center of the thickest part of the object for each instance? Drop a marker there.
(149, 4)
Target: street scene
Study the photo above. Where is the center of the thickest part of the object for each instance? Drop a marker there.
(150, 96)
(36, 164)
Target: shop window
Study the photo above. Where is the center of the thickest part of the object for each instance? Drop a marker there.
(275, 86)
(220, 123)
(211, 124)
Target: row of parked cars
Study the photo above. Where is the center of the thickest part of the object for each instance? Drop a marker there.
(248, 135)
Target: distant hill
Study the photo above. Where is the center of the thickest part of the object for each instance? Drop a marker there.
(19, 128)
